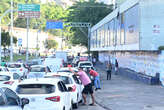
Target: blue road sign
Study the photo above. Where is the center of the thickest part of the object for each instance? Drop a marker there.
(54, 25)
(19, 41)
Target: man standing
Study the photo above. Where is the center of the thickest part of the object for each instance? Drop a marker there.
(109, 70)
(87, 85)
(96, 79)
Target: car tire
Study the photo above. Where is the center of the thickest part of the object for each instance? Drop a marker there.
(75, 105)
(63, 108)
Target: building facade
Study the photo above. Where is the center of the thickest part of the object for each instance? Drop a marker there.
(132, 33)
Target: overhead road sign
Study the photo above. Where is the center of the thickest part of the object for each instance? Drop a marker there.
(54, 25)
(28, 11)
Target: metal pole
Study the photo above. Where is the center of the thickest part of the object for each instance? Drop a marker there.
(0, 41)
(62, 41)
(11, 34)
(27, 39)
(89, 31)
(37, 45)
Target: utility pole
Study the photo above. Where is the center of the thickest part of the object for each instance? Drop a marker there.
(11, 33)
(89, 43)
(27, 20)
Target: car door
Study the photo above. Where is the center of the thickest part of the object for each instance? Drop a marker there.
(11, 98)
(67, 96)
(79, 87)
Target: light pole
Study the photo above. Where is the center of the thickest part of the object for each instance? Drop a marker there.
(11, 34)
(27, 21)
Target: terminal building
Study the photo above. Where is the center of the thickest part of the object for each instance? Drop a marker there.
(133, 34)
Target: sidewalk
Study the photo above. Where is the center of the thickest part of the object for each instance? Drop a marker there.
(122, 93)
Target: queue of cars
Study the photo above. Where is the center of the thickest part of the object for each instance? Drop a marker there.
(45, 85)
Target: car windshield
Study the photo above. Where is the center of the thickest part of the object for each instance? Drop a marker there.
(4, 78)
(35, 89)
(14, 65)
(85, 64)
(38, 69)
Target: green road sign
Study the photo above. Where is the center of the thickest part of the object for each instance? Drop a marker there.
(28, 7)
(28, 10)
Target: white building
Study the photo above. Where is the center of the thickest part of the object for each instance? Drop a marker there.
(21, 33)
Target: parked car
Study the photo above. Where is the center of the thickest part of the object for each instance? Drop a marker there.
(66, 69)
(71, 81)
(4, 69)
(9, 78)
(9, 100)
(38, 71)
(16, 67)
(45, 94)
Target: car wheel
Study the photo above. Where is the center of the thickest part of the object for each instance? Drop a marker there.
(75, 105)
(63, 108)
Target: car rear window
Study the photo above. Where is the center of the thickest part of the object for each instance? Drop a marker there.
(14, 65)
(35, 89)
(38, 69)
(4, 78)
(66, 80)
(85, 64)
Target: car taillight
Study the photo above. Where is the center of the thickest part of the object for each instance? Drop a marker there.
(21, 69)
(74, 88)
(9, 82)
(54, 99)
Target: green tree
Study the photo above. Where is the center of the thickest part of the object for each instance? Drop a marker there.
(86, 11)
(6, 40)
(49, 44)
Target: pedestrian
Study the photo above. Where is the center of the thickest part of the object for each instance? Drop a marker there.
(109, 70)
(87, 85)
(116, 66)
(96, 78)
(94, 61)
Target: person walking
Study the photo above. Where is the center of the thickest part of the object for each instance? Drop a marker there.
(109, 70)
(87, 85)
(116, 66)
(96, 78)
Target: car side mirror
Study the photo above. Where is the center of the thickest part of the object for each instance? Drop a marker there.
(70, 89)
(24, 102)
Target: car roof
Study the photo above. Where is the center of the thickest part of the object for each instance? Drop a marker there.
(38, 66)
(40, 81)
(5, 73)
(60, 74)
(15, 63)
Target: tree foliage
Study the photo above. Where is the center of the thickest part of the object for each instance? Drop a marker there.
(49, 44)
(6, 39)
(86, 11)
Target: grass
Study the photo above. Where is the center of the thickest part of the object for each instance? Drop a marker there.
(16, 57)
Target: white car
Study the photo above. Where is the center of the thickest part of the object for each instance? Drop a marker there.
(71, 81)
(66, 69)
(9, 100)
(19, 68)
(38, 71)
(85, 64)
(4, 69)
(9, 78)
(45, 94)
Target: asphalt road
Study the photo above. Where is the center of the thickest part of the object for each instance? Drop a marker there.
(87, 107)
